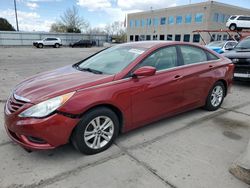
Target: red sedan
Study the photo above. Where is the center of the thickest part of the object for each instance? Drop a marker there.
(116, 90)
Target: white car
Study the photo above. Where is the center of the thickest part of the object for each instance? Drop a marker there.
(55, 42)
(238, 22)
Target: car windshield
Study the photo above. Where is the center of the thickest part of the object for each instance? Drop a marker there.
(112, 60)
(244, 44)
(217, 44)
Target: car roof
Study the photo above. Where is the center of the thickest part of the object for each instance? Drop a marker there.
(151, 44)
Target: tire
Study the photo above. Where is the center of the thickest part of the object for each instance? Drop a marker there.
(87, 134)
(40, 45)
(215, 97)
(57, 45)
(233, 27)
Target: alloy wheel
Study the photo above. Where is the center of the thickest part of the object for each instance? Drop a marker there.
(99, 132)
(217, 96)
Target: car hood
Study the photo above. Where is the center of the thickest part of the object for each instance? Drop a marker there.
(57, 82)
(237, 54)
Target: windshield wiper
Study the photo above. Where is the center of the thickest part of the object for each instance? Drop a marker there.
(90, 70)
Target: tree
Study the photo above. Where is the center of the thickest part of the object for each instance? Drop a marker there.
(5, 25)
(70, 22)
(116, 30)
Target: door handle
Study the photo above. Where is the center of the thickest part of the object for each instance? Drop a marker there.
(211, 66)
(177, 77)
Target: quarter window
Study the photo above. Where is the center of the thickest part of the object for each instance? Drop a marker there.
(192, 55)
(162, 59)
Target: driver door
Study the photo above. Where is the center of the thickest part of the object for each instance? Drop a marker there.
(156, 96)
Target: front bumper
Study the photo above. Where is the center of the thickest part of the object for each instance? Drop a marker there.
(39, 134)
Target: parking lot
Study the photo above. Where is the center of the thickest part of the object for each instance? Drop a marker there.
(194, 149)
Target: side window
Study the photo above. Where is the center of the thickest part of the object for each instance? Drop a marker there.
(192, 55)
(211, 56)
(162, 59)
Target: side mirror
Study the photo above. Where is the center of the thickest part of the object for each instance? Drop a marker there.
(144, 71)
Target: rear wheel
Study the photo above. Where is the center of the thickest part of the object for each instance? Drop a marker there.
(215, 97)
(96, 131)
(233, 27)
(57, 45)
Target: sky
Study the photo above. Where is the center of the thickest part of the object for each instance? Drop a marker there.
(38, 15)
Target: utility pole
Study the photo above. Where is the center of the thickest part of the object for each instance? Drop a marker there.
(17, 28)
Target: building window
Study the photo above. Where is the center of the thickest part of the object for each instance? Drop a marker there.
(155, 37)
(188, 19)
(186, 38)
(131, 37)
(163, 21)
(225, 37)
(131, 23)
(212, 38)
(162, 37)
(178, 19)
(137, 23)
(142, 23)
(218, 37)
(136, 37)
(169, 37)
(149, 21)
(199, 17)
(196, 38)
(216, 17)
(142, 37)
(178, 37)
(148, 37)
(170, 20)
(221, 18)
(156, 21)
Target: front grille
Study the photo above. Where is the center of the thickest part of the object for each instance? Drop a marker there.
(13, 104)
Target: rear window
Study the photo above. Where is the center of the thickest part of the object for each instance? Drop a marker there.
(232, 17)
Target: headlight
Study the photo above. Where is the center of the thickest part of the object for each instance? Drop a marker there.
(235, 60)
(46, 107)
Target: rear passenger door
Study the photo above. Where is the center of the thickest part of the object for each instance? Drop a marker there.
(197, 74)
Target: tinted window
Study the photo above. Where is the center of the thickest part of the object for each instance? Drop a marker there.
(177, 37)
(170, 20)
(164, 58)
(199, 17)
(169, 37)
(186, 38)
(245, 18)
(196, 38)
(192, 55)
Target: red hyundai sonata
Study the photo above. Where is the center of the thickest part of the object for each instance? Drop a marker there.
(116, 90)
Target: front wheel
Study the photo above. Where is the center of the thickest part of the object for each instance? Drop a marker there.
(57, 45)
(215, 97)
(96, 131)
